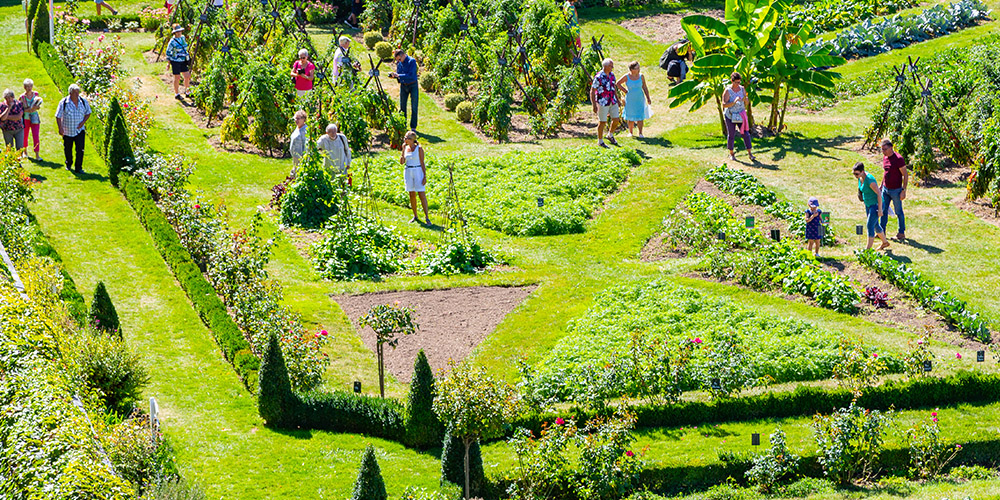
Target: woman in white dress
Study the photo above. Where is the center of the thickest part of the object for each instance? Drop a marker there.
(414, 174)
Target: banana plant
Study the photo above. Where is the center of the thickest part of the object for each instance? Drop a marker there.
(754, 41)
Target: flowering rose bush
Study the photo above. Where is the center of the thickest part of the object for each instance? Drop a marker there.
(929, 455)
(135, 109)
(95, 65)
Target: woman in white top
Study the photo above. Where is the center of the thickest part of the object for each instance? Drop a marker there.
(414, 174)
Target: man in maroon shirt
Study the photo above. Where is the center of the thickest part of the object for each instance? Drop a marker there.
(894, 181)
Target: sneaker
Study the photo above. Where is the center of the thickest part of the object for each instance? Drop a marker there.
(177, 96)
(612, 140)
(601, 144)
(79, 170)
(641, 136)
(900, 236)
(69, 167)
(414, 221)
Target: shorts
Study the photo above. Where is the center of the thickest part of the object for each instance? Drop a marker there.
(413, 177)
(301, 93)
(605, 112)
(178, 67)
(98, 1)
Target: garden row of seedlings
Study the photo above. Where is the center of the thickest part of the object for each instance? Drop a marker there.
(734, 251)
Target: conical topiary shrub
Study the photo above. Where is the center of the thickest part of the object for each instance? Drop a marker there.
(275, 397)
(114, 111)
(119, 155)
(423, 429)
(40, 26)
(369, 485)
(32, 12)
(453, 464)
(103, 315)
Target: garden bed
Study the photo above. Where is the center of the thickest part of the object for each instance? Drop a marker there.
(663, 28)
(452, 322)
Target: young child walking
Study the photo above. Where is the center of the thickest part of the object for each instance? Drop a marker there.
(814, 223)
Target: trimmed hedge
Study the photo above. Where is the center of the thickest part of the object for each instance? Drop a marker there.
(962, 387)
(206, 302)
(103, 315)
(56, 69)
(423, 428)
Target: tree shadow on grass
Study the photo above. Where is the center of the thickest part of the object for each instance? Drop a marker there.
(819, 147)
(657, 142)
(38, 178)
(431, 139)
(292, 433)
(634, 11)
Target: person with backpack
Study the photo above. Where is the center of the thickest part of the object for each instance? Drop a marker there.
(676, 61)
(72, 114)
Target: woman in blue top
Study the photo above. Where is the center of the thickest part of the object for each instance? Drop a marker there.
(870, 194)
(177, 55)
(637, 101)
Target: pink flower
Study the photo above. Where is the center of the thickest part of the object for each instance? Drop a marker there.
(317, 335)
(197, 207)
(934, 419)
(958, 355)
(875, 356)
(958, 447)
(100, 51)
(933, 413)
(100, 38)
(629, 453)
(322, 332)
(560, 421)
(697, 340)
(920, 342)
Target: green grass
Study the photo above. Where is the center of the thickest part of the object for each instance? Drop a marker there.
(212, 421)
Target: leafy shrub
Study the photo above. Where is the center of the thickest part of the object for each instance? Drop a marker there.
(428, 82)
(972, 473)
(850, 441)
(423, 429)
(175, 488)
(136, 457)
(457, 255)
(453, 464)
(356, 247)
(726, 368)
(107, 364)
(102, 312)
(311, 198)
(932, 297)
(493, 105)
(451, 101)
(808, 486)
(371, 38)
(929, 455)
(383, 50)
(501, 192)
(777, 465)
(369, 485)
(464, 111)
(699, 220)
(16, 231)
(859, 367)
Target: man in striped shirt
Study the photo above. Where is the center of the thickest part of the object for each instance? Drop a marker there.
(72, 114)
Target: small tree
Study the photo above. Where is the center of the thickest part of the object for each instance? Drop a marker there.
(475, 405)
(114, 111)
(453, 464)
(311, 197)
(40, 26)
(275, 394)
(389, 322)
(103, 315)
(369, 485)
(119, 155)
(423, 429)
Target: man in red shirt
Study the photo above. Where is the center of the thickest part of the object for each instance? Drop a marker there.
(894, 181)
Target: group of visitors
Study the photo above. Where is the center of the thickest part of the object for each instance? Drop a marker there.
(609, 96)
(895, 179)
(19, 117)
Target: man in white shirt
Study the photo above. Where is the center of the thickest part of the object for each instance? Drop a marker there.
(342, 58)
(72, 114)
(334, 147)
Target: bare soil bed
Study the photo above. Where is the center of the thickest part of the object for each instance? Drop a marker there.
(663, 28)
(980, 208)
(452, 322)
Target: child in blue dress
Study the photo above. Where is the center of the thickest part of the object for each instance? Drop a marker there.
(814, 226)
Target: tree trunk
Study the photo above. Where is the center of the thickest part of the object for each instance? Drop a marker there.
(381, 372)
(781, 122)
(722, 119)
(468, 444)
(773, 119)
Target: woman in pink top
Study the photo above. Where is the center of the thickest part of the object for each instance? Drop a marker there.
(303, 70)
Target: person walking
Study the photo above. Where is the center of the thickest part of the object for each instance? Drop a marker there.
(414, 174)
(569, 11)
(342, 62)
(354, 20)
(304, 71)
(406, 75)
(100, 3)
(895, 178)
(31, 102)
(735, 104)
(297, 143)
(335, 149)
(871, 196)
(179, 60)
(637, 100)
(12, 120)
(604, 96)
(72, 114)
